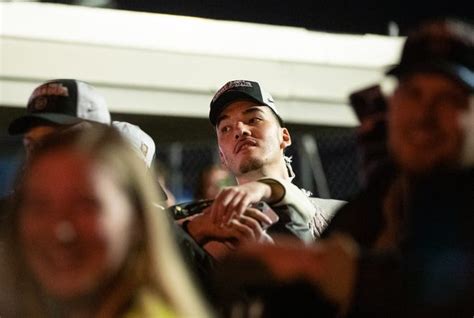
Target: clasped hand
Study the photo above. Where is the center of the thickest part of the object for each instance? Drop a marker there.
(230, 218)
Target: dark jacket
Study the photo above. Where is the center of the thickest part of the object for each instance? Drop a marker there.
(432, 274)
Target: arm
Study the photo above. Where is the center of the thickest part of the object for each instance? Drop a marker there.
(308, 216)
(247, 227)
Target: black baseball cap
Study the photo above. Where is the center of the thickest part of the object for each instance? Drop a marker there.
(240, 90)
(62, 102)
(445, 46)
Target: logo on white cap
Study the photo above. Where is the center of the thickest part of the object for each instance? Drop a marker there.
(141, 142)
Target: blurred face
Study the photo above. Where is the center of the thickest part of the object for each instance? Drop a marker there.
(34, 136)
(214, 181)
(424, 125)
(75, 224)
(250, 137)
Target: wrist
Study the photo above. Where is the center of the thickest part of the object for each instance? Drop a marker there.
(193, 228)
(275, 190)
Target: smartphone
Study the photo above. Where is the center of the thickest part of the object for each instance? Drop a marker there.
(268, 211)
(368, 101)
(187, 209)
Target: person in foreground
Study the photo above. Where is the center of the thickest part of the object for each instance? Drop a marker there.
(85, 239)
(426, 268)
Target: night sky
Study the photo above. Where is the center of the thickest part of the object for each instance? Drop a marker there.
(357, 17)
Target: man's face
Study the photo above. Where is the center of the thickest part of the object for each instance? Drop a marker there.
(424, 126)
(250, 137)
(34, 136)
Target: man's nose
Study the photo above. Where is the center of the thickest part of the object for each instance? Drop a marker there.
(65, 232)
(241, 129)
(426, 111)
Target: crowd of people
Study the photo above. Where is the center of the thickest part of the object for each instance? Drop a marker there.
(89, 230)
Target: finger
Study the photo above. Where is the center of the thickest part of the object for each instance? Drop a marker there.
(214, 210)
(230, 245)
(232, 209)
(225, 233)
(254, 225)
(266, 239)
(243, 205)
(258, 215)
(218, 206)
(238, 210)
(227, 200)
(244, 231)
(227, 194)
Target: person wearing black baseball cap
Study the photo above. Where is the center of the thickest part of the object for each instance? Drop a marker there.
(421, 264)
(240, 90)
(435, 90)
(429, 223)
(58, 104)
(252, 140)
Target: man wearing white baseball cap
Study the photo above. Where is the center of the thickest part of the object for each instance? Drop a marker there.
(59, 104)
(54, 106)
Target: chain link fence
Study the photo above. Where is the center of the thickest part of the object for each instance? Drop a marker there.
(324, 160)
(325, 163)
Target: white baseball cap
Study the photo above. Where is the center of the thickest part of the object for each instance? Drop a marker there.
(142, 143)
(62, 102)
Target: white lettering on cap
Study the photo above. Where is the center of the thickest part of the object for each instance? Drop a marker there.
(40, 94)
(51, 89)
(230, 85)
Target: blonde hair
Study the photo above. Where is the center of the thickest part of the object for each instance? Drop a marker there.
(157, 265)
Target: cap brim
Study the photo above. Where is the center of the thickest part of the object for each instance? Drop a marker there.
(24, 123)
(457, 72)
(225, 99)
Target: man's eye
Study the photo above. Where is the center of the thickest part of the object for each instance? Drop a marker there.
(254, 120)
(409, 92)
(225, 129)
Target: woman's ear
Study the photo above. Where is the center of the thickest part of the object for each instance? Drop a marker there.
(286, 138)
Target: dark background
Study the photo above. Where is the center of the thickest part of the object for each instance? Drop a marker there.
(356, 17)
(186, 145)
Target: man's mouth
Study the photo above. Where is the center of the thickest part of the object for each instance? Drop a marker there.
(244, 144)
(422, 137)
(62, 260)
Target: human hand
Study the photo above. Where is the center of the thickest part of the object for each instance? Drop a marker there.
(231, 202)
(247, 227)
(330, 265)
(251, 226)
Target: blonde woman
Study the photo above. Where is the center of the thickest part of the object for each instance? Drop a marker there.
(86, 240)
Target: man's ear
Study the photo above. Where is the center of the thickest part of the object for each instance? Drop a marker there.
(223, 161)
(286, 138)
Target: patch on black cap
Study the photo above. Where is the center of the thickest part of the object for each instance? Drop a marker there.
(62, 102)
(240, 90)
